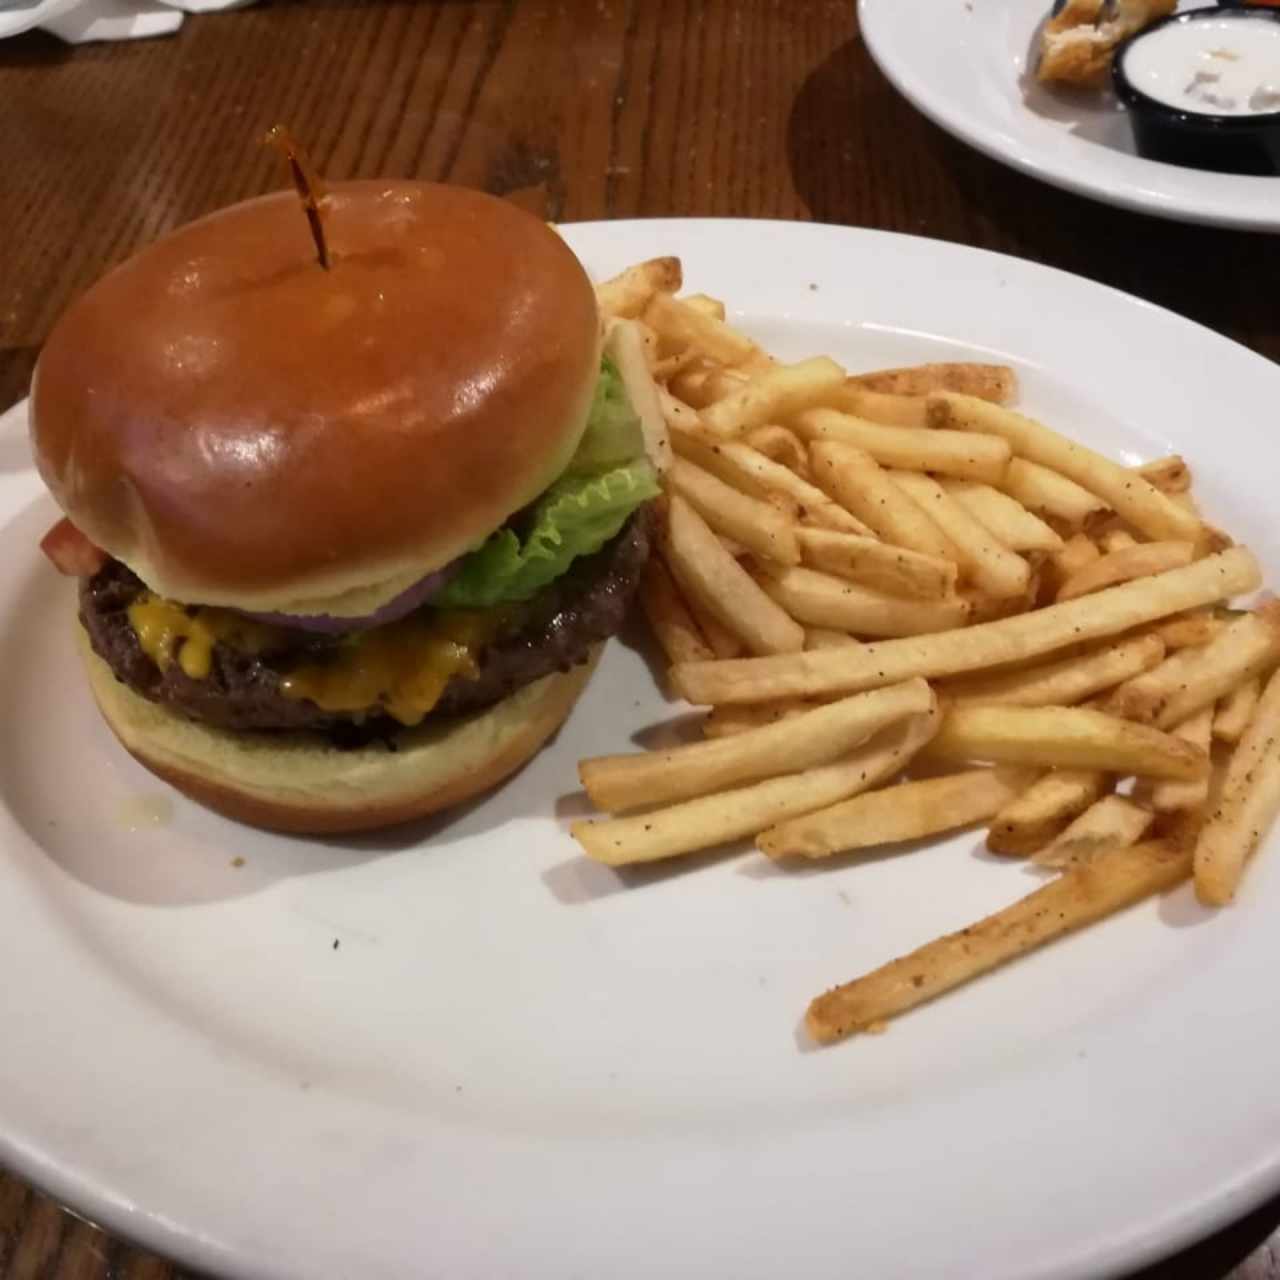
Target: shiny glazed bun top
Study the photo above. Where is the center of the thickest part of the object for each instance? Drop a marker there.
(242, 427)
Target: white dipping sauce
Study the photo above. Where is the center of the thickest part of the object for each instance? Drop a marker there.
(1215, 66)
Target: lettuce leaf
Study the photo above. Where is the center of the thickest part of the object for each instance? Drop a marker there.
(575, 517)
(613, 434)
(605, 481)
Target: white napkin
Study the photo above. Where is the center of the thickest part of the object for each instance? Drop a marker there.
(79, 21)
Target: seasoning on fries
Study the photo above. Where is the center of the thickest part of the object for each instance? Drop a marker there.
(1112, 881)
(970, 649)
(1045, 809)
(1111, 823)
(909, 811)
(1248, 806)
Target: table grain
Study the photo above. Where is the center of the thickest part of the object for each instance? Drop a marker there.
(578, 109)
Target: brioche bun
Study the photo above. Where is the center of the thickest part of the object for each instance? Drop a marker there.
(301, 783)
(244, 428)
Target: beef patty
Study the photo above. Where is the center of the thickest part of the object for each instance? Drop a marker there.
(552, 632)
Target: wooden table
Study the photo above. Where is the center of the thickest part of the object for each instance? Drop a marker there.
(578, 109)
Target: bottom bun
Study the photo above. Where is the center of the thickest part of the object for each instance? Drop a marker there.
(301, 783)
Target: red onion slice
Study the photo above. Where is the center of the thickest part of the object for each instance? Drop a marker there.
(327, 624)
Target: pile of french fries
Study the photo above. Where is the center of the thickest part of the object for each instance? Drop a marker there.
(911, 609)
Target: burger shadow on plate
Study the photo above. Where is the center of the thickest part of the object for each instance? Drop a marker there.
(88, 808)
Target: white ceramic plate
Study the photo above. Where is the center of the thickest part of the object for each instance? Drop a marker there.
(22, 15)
(967, 65)
(517, 1062)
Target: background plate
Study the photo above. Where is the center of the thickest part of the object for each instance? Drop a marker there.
(964, 64)
(461, 1049)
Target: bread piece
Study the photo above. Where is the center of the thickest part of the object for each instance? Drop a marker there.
(1077, 43)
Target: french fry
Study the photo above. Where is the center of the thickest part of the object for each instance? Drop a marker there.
(700, 384)
(1008, 520)
(648, 339)
(647, 779)
(984, 607)
(819, 600)
(707, 305)
(1182, 827)
(854, 479)
(1037, 816)
(1113, 822)
(954, 453)
(671, 621)
(684, 326)
(663, 368)
(989, 565)
(1195, 678)
(1116, 879)
(754, 524)
(723, 722)
(759, 361)
(881, 406)
(1188, 631)
(730, 815)
(749, 470)
(708, 574)
(1108, 613)
(626, 349)
(1122, 540)
(1248, 805)
(826, 638)
(773, 395)
(1138, 560)
(1234, 711)
(1169, 475)
(723, 642)
(1171, 797)
(878, 564)
(1046, 493)
(908, 811)
(1078, 551)
(1244, 650)
(676, 413)
(783, 446)
(1064, 681)
(995, 382)
(1127, 493)
(1064, 737)
(1214, 538)
(631, 292)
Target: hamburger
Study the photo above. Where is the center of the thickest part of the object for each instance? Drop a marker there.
(348, 540)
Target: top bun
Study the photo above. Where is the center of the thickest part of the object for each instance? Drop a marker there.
(242, 427)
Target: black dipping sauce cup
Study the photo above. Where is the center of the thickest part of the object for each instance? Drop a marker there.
(1198, 139)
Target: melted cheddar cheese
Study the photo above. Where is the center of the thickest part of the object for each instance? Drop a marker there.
(402, 667)
(168, 631)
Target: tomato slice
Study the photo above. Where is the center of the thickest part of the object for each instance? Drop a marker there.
(71, 552)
